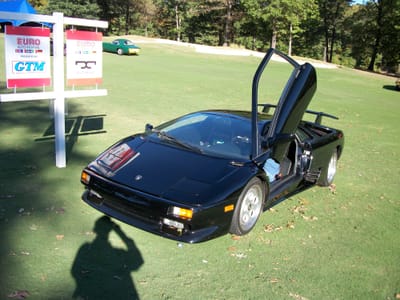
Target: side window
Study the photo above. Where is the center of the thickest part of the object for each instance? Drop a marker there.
(302, 135)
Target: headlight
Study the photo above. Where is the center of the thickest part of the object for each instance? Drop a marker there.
(182, 213)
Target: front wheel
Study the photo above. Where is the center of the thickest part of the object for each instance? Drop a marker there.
(248, 207)
(120, 51)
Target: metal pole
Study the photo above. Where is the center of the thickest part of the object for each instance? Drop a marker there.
(59, 101)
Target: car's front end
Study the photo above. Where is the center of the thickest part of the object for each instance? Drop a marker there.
(189, 224)
(160, 186)
(133, 50)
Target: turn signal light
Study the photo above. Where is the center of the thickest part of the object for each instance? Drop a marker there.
(85, 177)
(229, 208)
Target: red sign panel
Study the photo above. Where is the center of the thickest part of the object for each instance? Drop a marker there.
(27, 57)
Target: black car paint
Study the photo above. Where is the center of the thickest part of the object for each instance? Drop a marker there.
(166, 175)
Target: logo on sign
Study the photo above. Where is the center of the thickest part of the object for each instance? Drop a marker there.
(28, 66)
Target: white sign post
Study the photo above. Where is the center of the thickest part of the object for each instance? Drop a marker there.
(58, 94)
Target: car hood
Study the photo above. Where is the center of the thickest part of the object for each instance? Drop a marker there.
(165, 171)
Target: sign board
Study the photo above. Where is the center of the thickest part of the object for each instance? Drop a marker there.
(34, 67)
(84, 57)
(27, 55)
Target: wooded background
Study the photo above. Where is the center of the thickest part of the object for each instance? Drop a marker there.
(365, 36)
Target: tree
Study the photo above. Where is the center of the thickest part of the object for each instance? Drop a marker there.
(297, 11)
(374, 32)
(38, 4)
(387, 33)
(111, 11)
(88, 9)
(280, 18)
(332, 13)
(390, 42)
(146, 13)
(378, 32)
(358, 34)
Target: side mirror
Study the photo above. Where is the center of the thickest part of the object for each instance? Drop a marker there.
(148, 128)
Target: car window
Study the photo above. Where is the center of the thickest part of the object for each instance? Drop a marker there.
(214, 134)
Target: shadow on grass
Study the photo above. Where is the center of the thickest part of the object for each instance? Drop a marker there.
(390, 88)
(75, 127)
(102, 271)
(31, 187)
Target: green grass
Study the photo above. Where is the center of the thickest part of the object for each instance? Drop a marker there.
(320, 244)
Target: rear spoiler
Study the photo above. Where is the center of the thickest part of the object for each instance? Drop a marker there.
(318, 119)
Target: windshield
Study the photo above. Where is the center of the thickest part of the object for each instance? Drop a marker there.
(219, 134)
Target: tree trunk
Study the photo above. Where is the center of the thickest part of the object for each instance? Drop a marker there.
(228, 23)
(274, 36)
(127, 17)
(377, 36)
(333, 37)
(290, 39)
(177, 23)
(326, 31)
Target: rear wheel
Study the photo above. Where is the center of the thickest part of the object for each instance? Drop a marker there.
(248, 207)
(120, 51)
(331, 170)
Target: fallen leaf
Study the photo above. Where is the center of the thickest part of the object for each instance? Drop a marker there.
(300, 209)
(33, 227)
(236, 237)
(312, 218)
(269, 228)
(231, 248)
(60, 210)
(304, 201)
(290, 225)
(297, 297)
(274, 280)
(332, 188)
(23, 294)
(59, 237)
(240, 255)
(397, 296)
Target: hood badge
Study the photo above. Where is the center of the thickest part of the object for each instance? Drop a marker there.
(138, 177)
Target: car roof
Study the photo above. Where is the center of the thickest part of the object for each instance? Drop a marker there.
(237, 113)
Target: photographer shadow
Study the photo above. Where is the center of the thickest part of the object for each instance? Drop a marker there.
(102, 271)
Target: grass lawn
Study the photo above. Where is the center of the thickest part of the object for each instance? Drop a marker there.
(340, 243)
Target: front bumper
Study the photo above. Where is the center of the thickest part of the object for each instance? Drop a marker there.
(147, 214)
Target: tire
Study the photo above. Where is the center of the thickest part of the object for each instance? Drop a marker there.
(120, 51)
(248, 208)
(327, 180)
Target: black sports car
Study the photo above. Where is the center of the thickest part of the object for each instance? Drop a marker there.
(208, 173)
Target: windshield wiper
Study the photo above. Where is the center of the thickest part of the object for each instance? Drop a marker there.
(165, 136)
